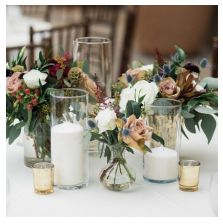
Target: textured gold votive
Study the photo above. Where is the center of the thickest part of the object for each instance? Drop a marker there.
(189, 175)
(43, 177)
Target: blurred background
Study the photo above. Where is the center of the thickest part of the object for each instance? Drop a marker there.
(135, 31)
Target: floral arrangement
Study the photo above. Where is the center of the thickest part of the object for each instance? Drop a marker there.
(174, 79)
(27, 95)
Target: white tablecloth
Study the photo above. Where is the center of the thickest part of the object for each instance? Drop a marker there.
(144, 199)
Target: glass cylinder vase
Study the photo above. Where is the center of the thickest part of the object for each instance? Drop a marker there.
(161, 165)
(94, 56)
(117, 175)
(37, 144)
(69, 137)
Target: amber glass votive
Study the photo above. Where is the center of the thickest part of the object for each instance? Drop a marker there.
(189, 175)
(43, 177)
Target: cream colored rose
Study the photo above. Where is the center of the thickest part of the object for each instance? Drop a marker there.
(33, 79)
(106, 120)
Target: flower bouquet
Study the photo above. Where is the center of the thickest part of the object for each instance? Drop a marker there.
(27, 98)
(174, 79)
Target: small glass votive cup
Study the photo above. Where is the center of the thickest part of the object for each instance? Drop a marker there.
(189, 175)
(43, 175)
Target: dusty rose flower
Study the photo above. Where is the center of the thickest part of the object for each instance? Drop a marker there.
(168, 88)
(13, 82)
(135, 133)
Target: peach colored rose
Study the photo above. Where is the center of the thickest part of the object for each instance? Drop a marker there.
(137, 134)
(13, 82)
(168, 88)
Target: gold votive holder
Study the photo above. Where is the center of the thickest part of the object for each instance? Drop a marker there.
(189, 175)
(43, 174)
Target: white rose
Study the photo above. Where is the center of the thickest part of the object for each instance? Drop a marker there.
(126, 95)
(144, 88)
(33, 77)
(106, 120)
(147, 67)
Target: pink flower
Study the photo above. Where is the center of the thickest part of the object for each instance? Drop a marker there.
(169, 88)
(13, 83)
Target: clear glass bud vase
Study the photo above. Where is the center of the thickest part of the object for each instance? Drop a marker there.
(117, 175)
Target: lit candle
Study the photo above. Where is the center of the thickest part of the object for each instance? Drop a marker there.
(68, 154)
(161, 165)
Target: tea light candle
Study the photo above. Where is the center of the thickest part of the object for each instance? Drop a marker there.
(161, 165)
(68, 154)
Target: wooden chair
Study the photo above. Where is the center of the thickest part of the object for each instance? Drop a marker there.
(214, 71)
(31, 52)
(108, 17)
(36, 11)
(59, 37)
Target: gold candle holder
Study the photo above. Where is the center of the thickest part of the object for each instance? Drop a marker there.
(43, 177)
(189, 175)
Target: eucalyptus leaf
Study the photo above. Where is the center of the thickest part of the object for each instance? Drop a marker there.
(59, 74)
(205, 110)
(67, 83)
(189, 124)
(208, 125)
(13, 134)
(181, 53)
(186, 114)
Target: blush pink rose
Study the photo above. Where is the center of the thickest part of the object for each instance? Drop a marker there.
(13, 82)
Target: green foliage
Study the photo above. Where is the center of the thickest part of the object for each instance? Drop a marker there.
(158, 138)
(133, 107)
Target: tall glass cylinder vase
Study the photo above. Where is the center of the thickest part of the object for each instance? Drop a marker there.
(69, 137)
(161, 165)
(94, 55)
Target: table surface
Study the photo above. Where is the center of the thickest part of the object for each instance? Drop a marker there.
(144, 198)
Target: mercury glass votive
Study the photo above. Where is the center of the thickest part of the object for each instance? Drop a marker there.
(43, 177)
(189, 175)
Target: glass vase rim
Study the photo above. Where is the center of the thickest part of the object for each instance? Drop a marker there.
(85, 93)
(99, 40)
(43, 165)
(178, 103)
(189, 162)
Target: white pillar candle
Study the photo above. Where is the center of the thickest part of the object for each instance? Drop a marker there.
(161, 164)
(68, 154)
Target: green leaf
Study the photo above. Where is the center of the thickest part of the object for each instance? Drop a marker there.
(205, 110)
(85, 67)
(13, 134)
(107, 153)
(59, 74)
(129, 150)
(208, 125)
(146, 148)
(141, 99)
(133, 107)
(41, 58)
(158, 138)
(189, 124)
(67, 83)
(186, 114)
(181, 53)
(184, 133)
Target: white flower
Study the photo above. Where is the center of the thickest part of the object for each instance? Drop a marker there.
(144, 88)
(147, 67)
(126, 95)
(33, 77)
(106, 120)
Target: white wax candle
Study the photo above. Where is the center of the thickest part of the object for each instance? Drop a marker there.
(161, 164)
(68, 154)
